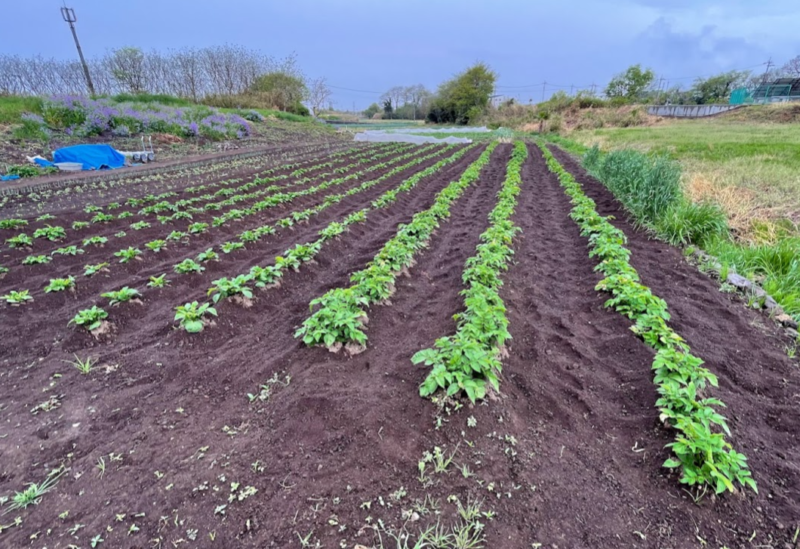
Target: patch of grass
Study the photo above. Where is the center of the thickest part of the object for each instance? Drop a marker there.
(12, 107)
(760, 160)
(159, 98)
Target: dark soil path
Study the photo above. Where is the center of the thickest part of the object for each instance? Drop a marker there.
(758, 383)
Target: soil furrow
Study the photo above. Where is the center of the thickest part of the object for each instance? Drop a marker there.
(758, 384)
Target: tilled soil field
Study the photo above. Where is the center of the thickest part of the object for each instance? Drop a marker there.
(242, 436)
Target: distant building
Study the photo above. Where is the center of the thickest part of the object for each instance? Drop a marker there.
(776, 91)
(497, 100)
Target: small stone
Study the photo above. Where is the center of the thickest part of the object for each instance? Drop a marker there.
(739, 281)
(793, 333)
(787, 321)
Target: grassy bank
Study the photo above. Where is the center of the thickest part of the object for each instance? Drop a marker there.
(751, 170)
(654, 173)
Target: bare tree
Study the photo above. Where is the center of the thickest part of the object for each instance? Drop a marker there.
(393, 95)
(318, 94)
(792, 68)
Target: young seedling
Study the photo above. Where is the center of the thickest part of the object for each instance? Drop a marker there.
(177, 235)
(224, 288)
(91, 319)
(36, 260)
(156, 245)
(139, 225)
(122, 295)
(83, 366)
(78, 225)
(50, 233)
(20, 241)
(188, 266)
(45, 217)
(68, 250)
(60, 284)
(33, 494)
(128, 254)
(197, 228)
(229, 247)
(208, 255)
(15, 297)
(159, 281)
(90, 270)
(12, 223)
(102, 218)
(95, 241)
(191, 316)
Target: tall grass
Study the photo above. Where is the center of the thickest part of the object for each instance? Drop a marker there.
(777, 266)
(646, 185)
(649, 188)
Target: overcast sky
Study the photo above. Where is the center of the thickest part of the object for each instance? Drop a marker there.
(371, 45)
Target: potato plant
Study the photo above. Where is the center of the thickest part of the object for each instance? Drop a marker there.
(701, 452)
(122, 295)
(91, 319)
(17, 297)
(190, 316)
(60, 284)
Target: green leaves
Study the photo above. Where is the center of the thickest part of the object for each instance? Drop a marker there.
(91, 319)
(191, 316)
(339, 318)
(225, 287)
(469, 359)
(341, 313)
(122, 295)
(701, 451)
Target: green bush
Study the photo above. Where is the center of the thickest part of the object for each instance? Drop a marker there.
(686, 222)
(646, 185)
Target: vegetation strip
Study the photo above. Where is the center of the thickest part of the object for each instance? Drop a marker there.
(53, 233)
(293, 258)
(340, 318)
(704, 457)
(300, 253)
(160, 204)
(471, 357)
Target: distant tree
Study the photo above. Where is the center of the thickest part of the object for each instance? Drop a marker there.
(464, 97)
(792, 68)
(718, 88)
(128, 68)
(372, 110)
(286, 91)
(318, 94)
(387, 108)
(394, 95)
(630, 84)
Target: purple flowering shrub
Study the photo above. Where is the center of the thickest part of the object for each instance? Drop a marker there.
(82, 116)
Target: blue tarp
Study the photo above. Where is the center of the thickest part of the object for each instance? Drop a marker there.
(93, 157)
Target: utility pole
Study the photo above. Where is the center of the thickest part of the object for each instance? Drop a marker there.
(766, 72)
(68, 14)
(544, 86)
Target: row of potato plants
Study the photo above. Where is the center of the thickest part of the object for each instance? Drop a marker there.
(22, 203)
(158, 203)
(471, 358)
(126, 254)
(340, 314)
(296, 256)
(55, 233)
(701, 451)
(190, 315)
(352, 155)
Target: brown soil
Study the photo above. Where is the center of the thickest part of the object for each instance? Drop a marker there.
(569, 455)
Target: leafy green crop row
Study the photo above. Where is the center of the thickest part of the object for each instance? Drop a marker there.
(293, 258)
(340, 316)
(701, 451)
(469, 359)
